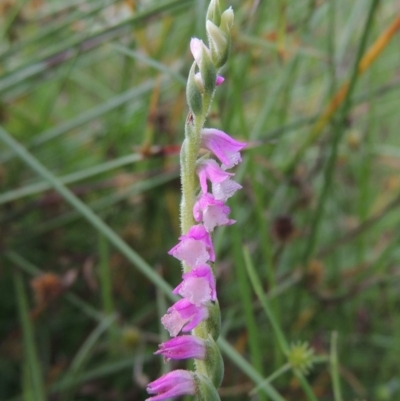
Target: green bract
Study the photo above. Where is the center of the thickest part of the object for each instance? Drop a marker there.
(214, 12)
(193, 93)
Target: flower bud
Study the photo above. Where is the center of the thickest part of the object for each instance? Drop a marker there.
(203, 59)
(227, 18)
(196, 47)
(219, 44)
(213, 365)
(208, 71)
(200, 82)
(212, 324)
(220, 80)
(193, 93)
(214, 12)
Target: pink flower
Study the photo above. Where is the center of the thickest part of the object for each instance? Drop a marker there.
(223, 146)
(209, 169)
(183, 315)
(195, 247)
(198, 286)
(220, 80)
(211, 212)
(183, 347)
(225, 189)
(173, 384)
(173, 322)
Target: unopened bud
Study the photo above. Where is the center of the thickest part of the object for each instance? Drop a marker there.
(213, 364)
(219, 44)
(193, 93)
(214, 12)
(199, 81)
(196, 47)
(208, 71)
(227, 18)
(212, 325)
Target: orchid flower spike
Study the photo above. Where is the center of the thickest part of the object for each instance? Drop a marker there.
(198, 309)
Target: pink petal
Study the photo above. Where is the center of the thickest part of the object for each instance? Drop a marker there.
(194, 314)
(211, 212)
(209, 169)
(173, 322)
(224, 190)
(190, 251)
(196, 47)
(183, 347)
(173, 384)
(195, 247)
(201, 314)
(223, 146)
(220, 80)
(203, 272)
(196, 290)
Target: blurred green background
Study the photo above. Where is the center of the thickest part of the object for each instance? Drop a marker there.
(94, 91)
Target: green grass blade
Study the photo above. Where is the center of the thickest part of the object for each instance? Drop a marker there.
(39, 187)
(33, 372)
(152, 63)
(87, 116)
(246, 303)
(339, 131)
(65, 51)
(87, 213)
(248, 369)
(255, 281)
(334, 368)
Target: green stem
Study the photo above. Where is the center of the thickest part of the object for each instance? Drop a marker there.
(281, 339)
(34, 382)
(283, 344)
(106, 286)
(335, 368)
(188, 159)
(248, 369)
(305, 385)
(283, 369)
(189, 152)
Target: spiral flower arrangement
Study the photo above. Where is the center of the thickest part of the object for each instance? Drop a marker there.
(206, 186)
